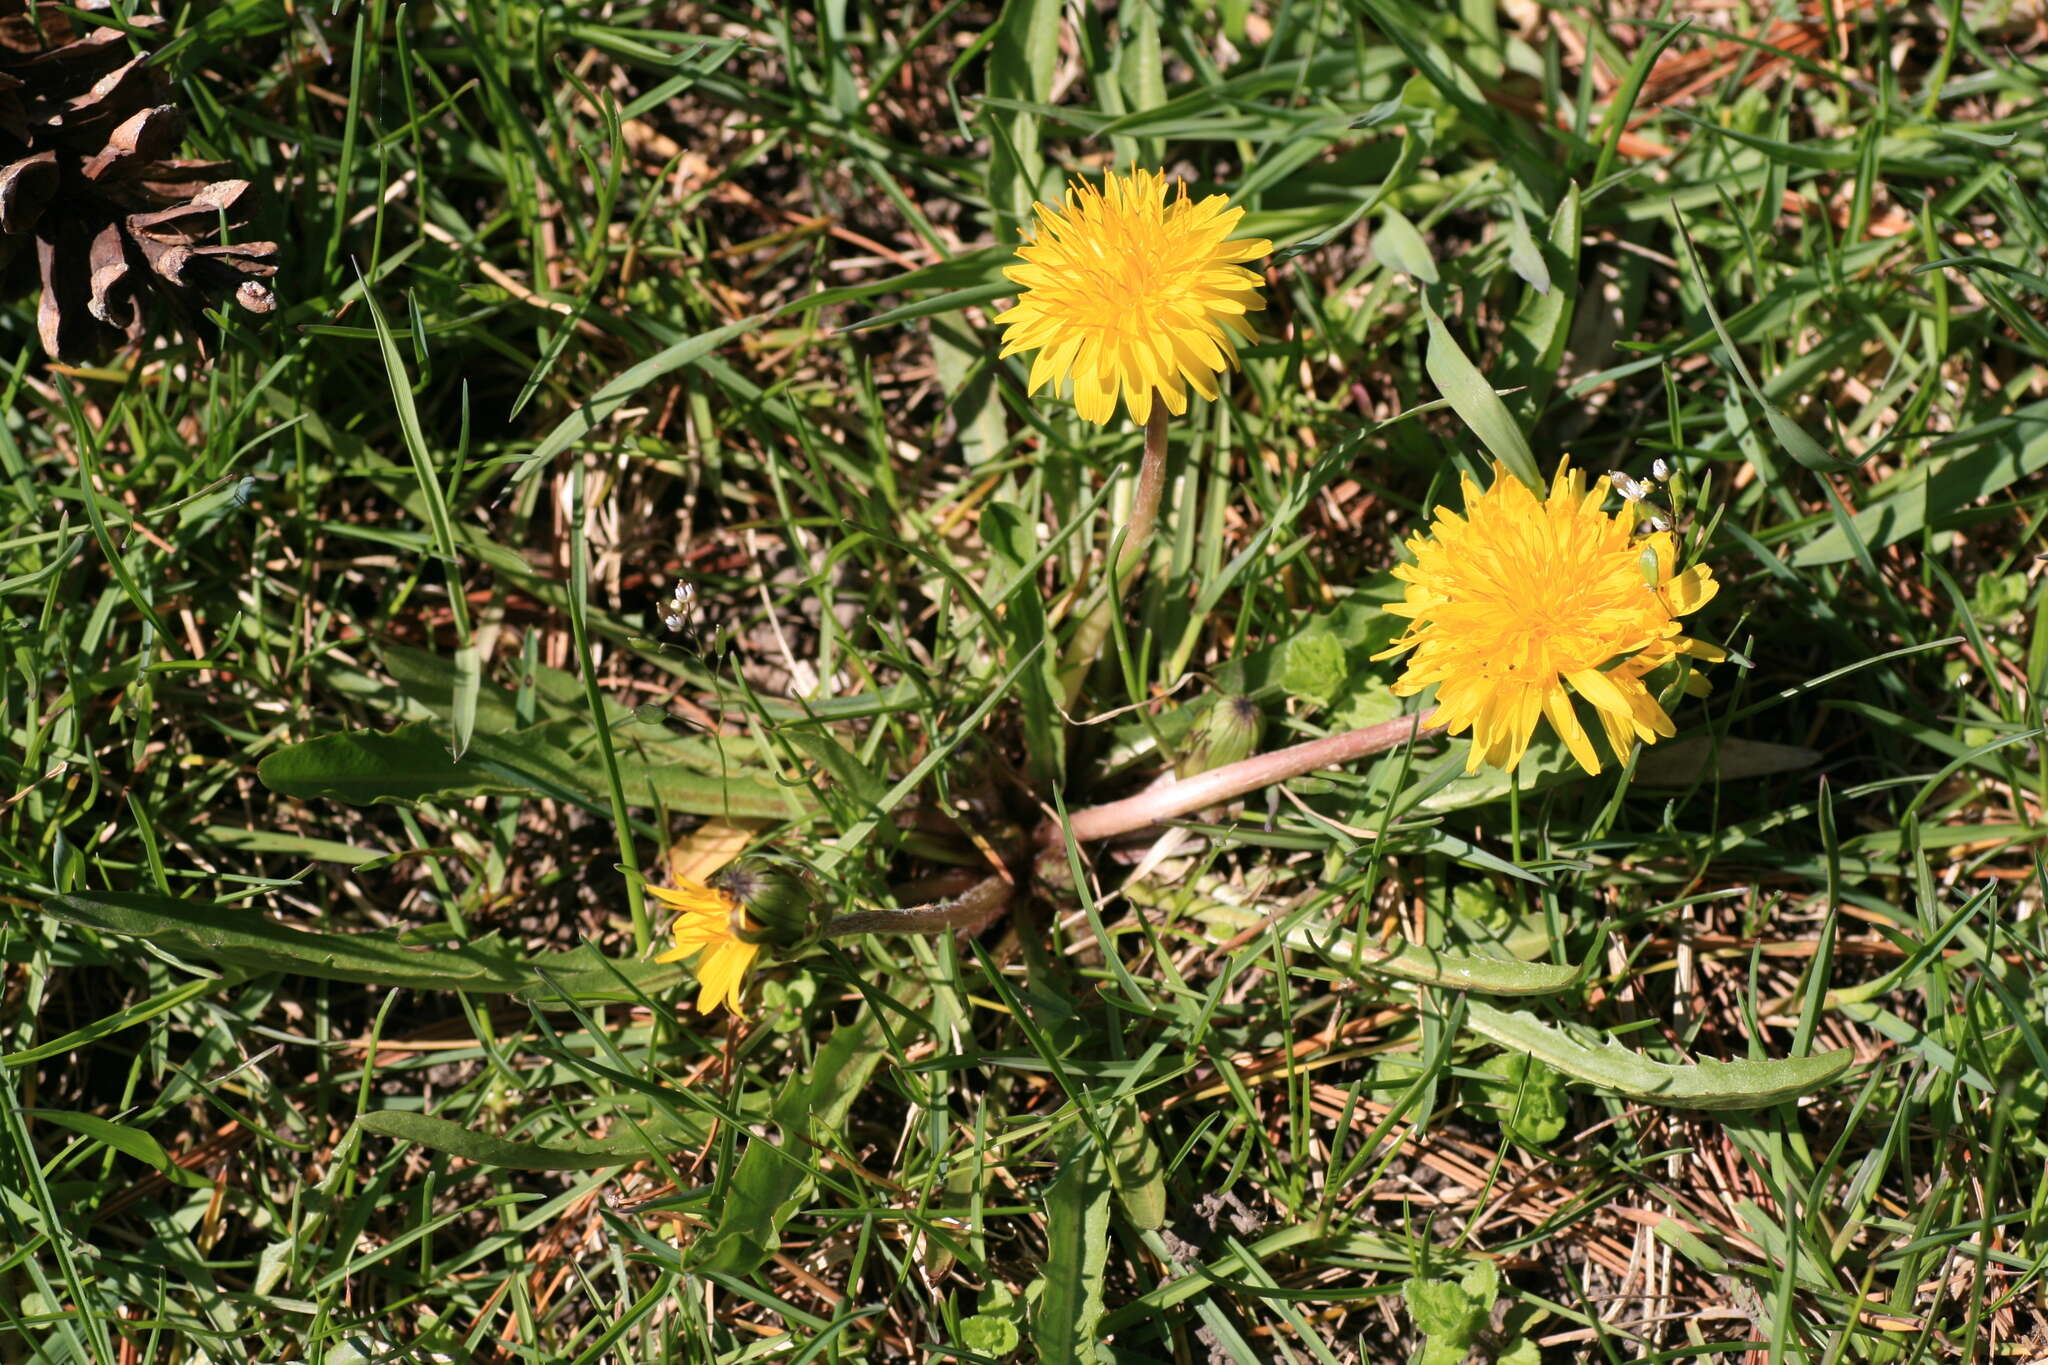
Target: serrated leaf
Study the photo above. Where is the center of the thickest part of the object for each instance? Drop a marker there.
(586, 974)
(1067, 1328)
(1528, 1096)
(1315, 666)
(1442, 785)
(362, 767)
(1698, 1085)
(773, 1180)
(1138, 1166)
(1521, 1351)
(1443, 1311)
(1408, 961)
(555, 758)
(242, 936)
(561, 1154)
(989, 1334)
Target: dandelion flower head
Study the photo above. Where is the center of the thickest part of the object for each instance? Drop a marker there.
(1522, 602)
(1133, 293)
(709, 923)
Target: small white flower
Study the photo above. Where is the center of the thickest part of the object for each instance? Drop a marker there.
(1660, 471)
(675, 613)
(1629, 488)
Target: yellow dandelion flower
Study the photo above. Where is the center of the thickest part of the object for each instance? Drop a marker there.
(709, 923)
(1521, 598)
(1132, 293)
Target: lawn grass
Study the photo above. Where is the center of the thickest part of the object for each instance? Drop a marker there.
(582, 302)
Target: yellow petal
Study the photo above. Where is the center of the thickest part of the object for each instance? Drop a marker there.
(1598, 688)
(1686, 593)
(1557, 705)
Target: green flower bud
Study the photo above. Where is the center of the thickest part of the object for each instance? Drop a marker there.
(1652, 571)
(783, 904)
(1226, 732)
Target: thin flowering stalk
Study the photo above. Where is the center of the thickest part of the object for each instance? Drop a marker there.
(1130, 560)
(579, 633)
(1233, 780)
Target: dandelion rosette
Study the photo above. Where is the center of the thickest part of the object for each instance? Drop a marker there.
(710, 923)
(1133, 293)
(1522, 602)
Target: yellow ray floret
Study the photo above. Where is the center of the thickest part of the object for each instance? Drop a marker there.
(708, 923)
(1133, 294)
(1521, 602)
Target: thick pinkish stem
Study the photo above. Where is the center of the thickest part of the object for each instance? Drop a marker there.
(1130, 560)
(1233, 780)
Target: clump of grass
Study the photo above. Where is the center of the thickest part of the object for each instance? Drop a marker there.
(359, 633)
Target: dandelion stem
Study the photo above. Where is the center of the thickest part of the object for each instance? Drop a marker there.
(1234, 780)
(975, 906)
(1130, 560)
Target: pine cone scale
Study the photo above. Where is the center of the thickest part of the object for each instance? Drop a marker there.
(25, 189)
(109, 262)
(127, 233)
(137, 144)
(63, 321)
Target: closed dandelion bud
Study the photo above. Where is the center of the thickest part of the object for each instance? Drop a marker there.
(1650, 568)
(782, 904)
(1227, 732)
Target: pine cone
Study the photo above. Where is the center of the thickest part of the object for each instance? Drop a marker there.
(122, 228)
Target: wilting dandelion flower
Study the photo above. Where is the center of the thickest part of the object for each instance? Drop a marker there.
(1521, 602)
(711, 923)
(1133, 293)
